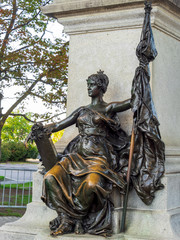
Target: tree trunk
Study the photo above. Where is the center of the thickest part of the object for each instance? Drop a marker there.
(0, 144)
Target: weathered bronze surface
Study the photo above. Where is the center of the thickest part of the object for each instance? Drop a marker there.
(78, 187)
(45, 146)
(149, 150)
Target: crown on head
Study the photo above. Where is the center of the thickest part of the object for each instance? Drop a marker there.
(100, 72)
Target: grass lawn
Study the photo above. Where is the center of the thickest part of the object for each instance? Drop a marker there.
(18, 163)
(1, 178)
(19, 185)
(16, 212)
(26, 199)
(19, 197)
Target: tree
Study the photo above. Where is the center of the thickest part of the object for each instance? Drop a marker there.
(28, 58)
(14, 132)
(16, 129)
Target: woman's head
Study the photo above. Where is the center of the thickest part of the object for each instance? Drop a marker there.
(100, 79)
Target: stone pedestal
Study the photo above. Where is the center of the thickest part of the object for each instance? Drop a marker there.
(104, 35)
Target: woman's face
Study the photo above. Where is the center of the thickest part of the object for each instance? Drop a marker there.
(93, 89)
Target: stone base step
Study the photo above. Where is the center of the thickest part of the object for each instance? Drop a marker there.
(44, 234)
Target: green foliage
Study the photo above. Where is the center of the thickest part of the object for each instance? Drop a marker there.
(16, 129)
(30, 60)
(32, 151)
(5, 153)
(14, 133)
(34, 57)
(1, 178)
(16, 151)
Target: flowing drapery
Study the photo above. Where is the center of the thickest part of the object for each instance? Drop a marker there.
(148, 157)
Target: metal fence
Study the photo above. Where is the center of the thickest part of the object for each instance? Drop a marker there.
(15, 187)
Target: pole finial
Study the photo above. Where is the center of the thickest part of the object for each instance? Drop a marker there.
(148, 6)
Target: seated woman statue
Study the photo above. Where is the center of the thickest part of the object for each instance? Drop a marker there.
(78, 187)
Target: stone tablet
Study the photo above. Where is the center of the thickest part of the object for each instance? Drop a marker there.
(45, 145)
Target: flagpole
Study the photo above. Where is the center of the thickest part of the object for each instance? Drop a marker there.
(146, 52)
(122, 229)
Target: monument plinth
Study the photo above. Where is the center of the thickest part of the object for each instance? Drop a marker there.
(104, 35)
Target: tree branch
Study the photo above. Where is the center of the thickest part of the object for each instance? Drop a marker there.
(9, 111)
(9, 30)
(15, 65)
(52, 117)
(44, 99)
(26, 23)
(23, 115)
(25, 47)
(21, 49)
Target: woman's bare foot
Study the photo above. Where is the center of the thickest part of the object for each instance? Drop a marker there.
(54, 224)
(64, 228)
(78, 227)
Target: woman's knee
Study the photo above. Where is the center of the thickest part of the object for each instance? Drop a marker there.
(93, 179)
(49, 179)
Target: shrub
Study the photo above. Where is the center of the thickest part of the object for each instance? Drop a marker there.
(32, 151)
(16, 151)
(6, 152)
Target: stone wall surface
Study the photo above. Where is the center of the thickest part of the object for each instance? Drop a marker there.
(107, 40)
(166, 86)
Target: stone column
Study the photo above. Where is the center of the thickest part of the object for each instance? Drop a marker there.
(104, 35)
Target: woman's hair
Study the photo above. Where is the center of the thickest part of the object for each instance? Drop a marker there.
(101, 80)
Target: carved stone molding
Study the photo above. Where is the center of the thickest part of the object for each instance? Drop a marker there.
(121, 15)
(74, 7)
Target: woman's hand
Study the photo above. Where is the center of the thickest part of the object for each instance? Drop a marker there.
(48, 129)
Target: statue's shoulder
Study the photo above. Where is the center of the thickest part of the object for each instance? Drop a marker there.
(80, 110)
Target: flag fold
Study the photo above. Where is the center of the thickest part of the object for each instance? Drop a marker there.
(149, 150)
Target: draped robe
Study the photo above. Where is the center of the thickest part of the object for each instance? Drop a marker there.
(85, 173)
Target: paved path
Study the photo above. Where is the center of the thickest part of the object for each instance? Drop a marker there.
(19, 166)
(4, 220)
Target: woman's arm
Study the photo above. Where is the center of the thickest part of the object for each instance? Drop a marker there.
(119, 106)
(70, 120)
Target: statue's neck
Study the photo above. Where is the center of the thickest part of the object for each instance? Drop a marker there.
(96, 100)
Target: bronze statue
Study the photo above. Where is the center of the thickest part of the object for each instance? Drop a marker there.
(79, 185)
